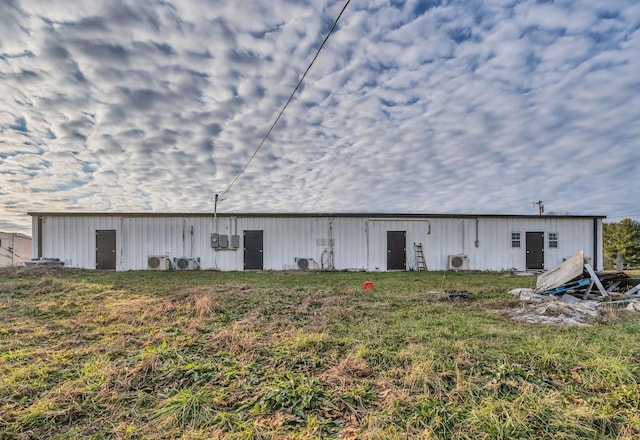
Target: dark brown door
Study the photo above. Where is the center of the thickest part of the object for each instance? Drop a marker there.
(535, 250)
(396, 250)
(253, 250)
(106, 250)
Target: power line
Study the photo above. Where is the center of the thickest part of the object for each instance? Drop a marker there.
(12, 255)
(624, 216)
(335, 23)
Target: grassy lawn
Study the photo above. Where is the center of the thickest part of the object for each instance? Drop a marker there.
(206, 355)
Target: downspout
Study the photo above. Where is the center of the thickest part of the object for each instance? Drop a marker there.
(184, 245)
(463, 236)
(477, 240)
(595, 244)
(330, 264)
(122, 238)
(191, 243)
(39, 237)
(366, 231)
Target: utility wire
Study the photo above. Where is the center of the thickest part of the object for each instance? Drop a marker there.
(12, 255)
(624, 216)
(335, 23)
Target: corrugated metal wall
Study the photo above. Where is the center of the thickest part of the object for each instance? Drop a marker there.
(73, 238)
(359, 243)
(287, 238)
(494, 251)
(6, 255)
(15, 249)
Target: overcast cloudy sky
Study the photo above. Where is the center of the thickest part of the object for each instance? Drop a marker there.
(469, 106)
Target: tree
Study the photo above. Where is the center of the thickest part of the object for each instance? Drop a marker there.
(624, 238)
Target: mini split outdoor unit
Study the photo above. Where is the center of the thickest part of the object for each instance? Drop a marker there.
(458, 262)
(158, 262)
(186, 263)
(306, 264)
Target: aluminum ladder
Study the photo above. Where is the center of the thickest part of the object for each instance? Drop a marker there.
(421, 263)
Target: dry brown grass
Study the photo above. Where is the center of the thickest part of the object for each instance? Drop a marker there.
(23, 272)
(239, 339)
(200, 302)
(132, 312)
(282, 356)
(611, 314)
(10, 287)
(349, 370)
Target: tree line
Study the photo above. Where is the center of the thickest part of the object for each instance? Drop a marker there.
(622, 238)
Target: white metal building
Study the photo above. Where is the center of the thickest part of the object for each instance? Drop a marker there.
(371, 242)
(15, 249)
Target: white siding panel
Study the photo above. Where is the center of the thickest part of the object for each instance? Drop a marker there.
(174, 237)
(34, 236)
(72, 239)
(494, 251)
(359, 242)
(15, 249)
(350, 250)
(416, 232)
(285, 239)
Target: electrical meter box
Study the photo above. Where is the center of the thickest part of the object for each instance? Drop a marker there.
(221, 241)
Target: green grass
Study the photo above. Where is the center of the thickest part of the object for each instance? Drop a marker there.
(200, 355)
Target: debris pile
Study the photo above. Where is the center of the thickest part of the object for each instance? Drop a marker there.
(459, 295)
(573, 292)
(43, 262)
(453, 295)
(575, 277)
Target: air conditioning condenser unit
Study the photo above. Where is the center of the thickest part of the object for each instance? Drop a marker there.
(158, 262)
(186, 263)
(306, 264)
(458, 262)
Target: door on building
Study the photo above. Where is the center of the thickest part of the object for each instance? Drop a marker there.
(253, 250)
(396, 250)
(535, 250)
(106, 249)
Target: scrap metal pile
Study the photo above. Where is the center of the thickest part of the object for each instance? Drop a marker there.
(573, 293)
(574, 277)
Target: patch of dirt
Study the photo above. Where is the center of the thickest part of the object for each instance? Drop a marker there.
(449, 295)
(553, 312)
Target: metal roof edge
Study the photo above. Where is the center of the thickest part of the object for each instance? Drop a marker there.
(17, 234)
(301, 215)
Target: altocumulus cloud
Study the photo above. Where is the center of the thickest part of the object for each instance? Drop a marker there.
(413, 106)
